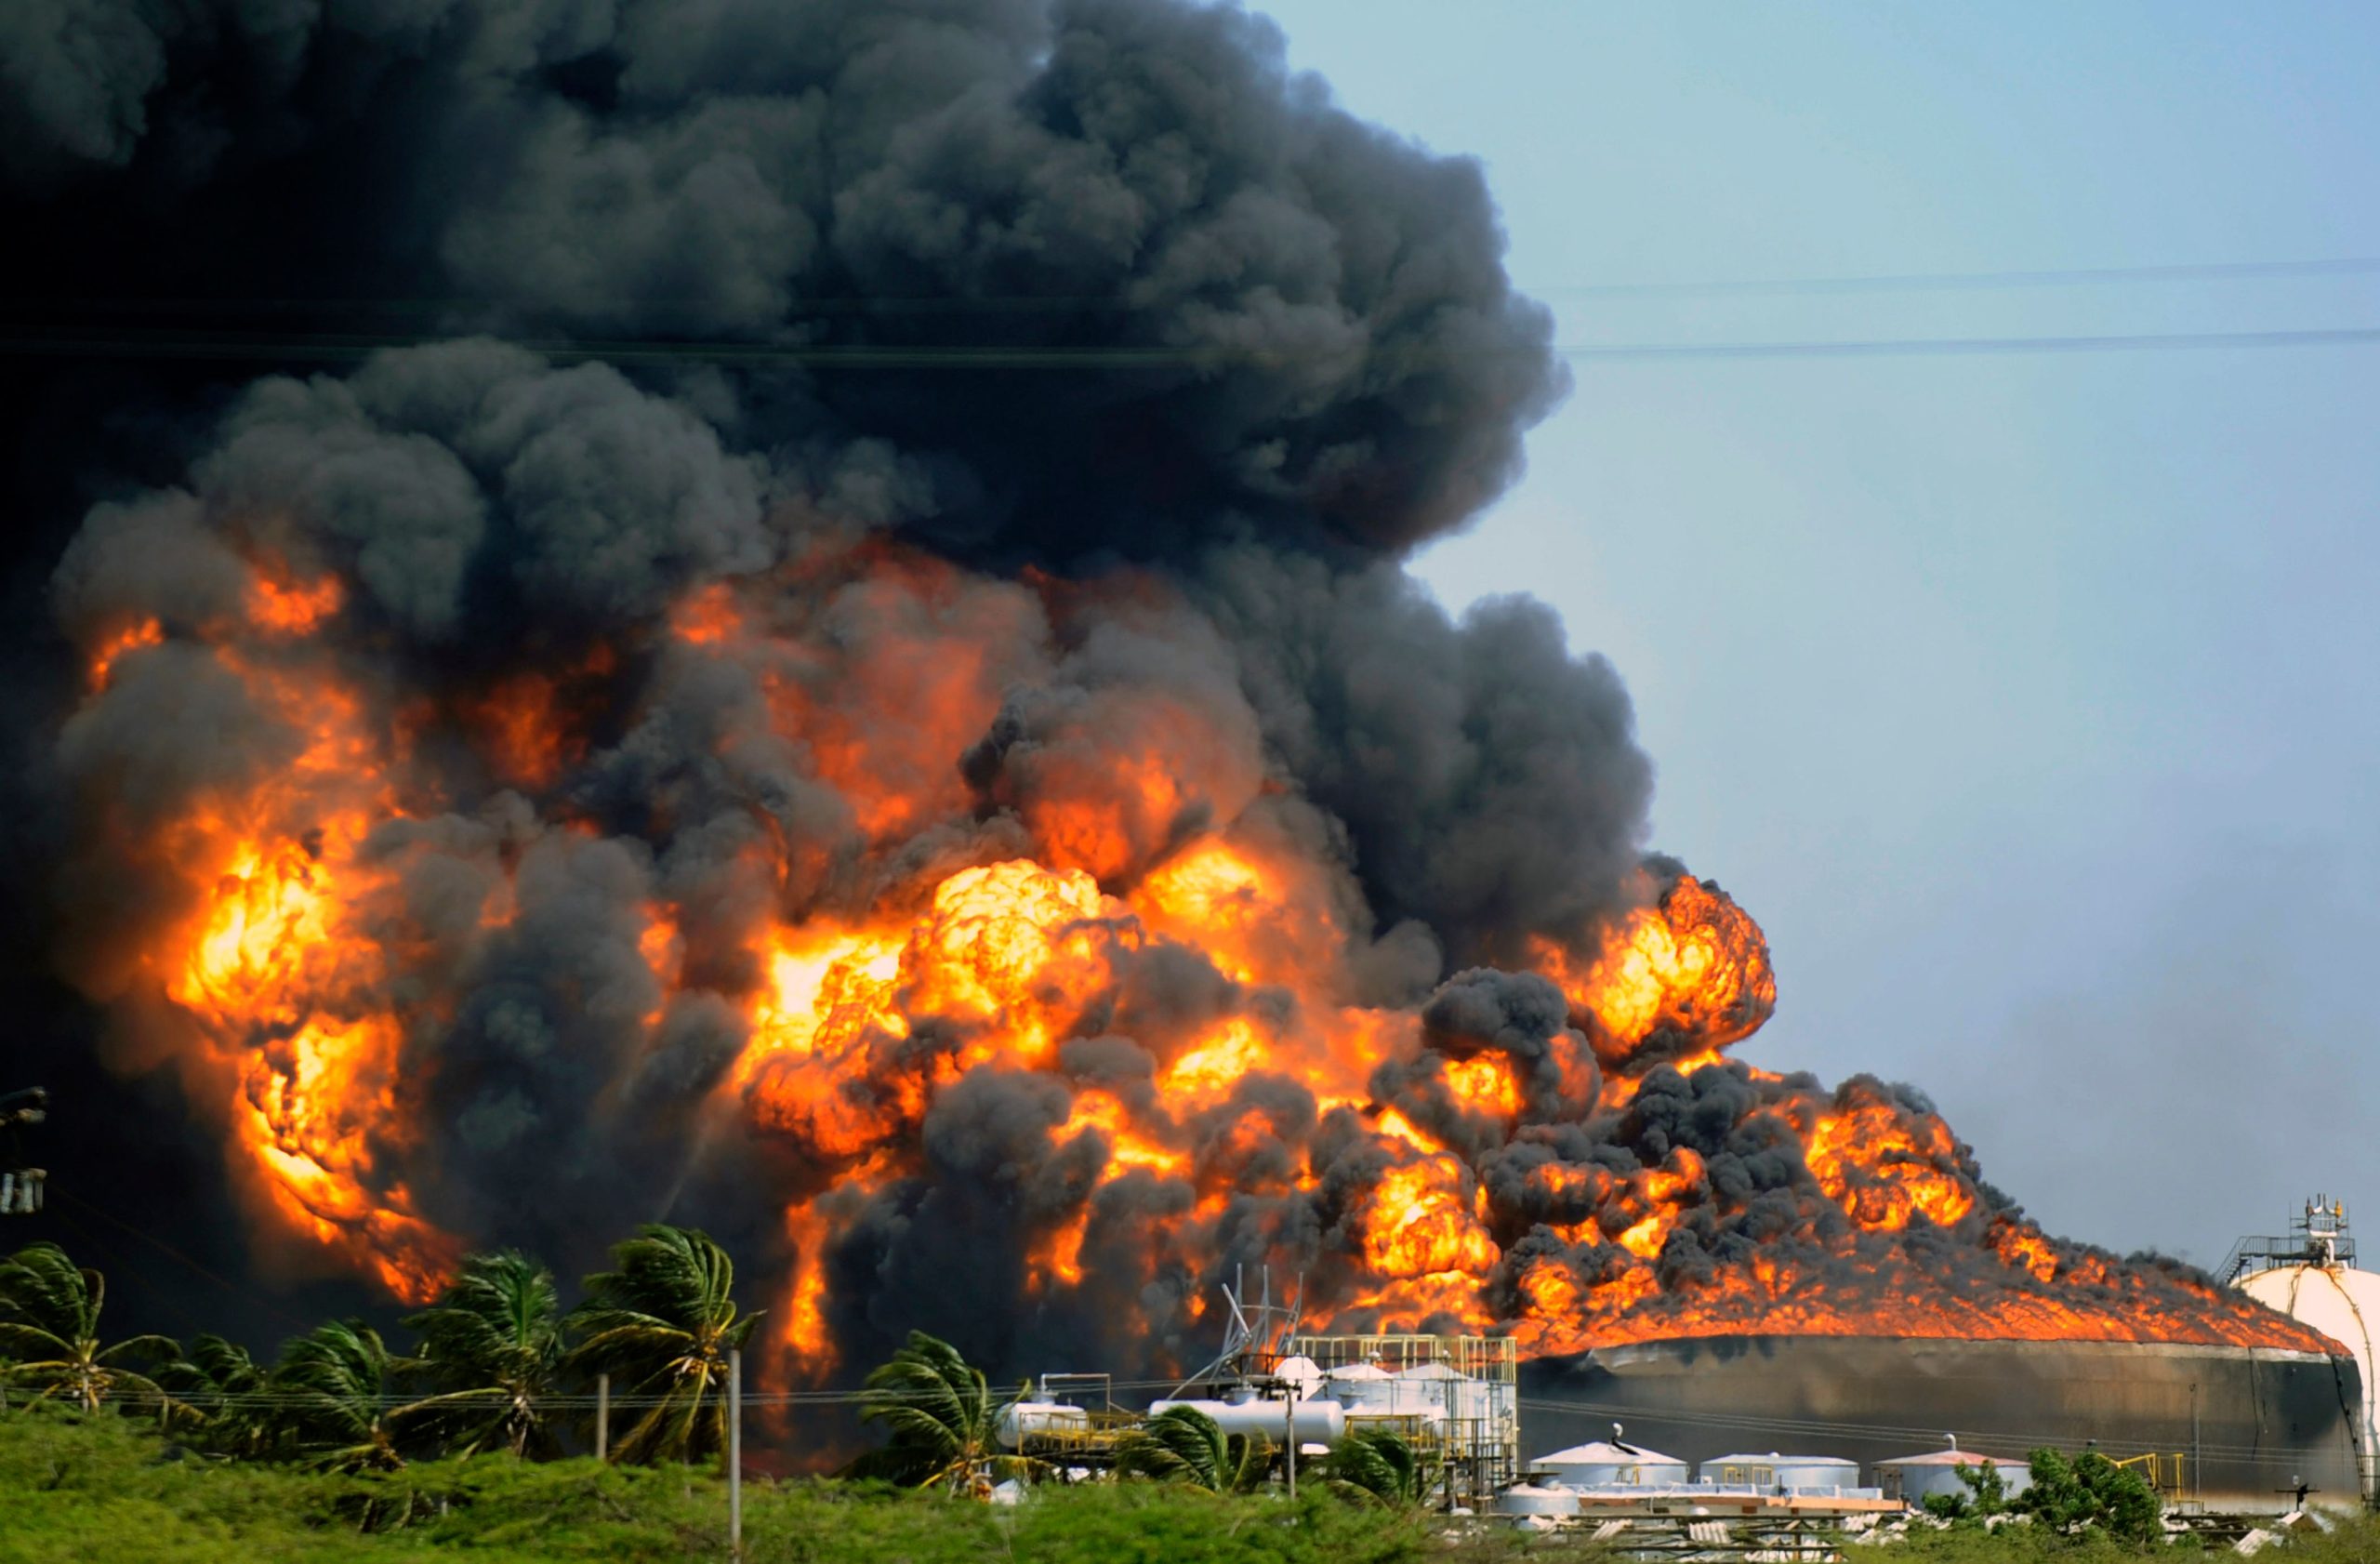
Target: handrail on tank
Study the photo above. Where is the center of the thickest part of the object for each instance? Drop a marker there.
(1495, 1359)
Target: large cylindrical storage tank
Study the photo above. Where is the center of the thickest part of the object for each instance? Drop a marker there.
(1601, 1463)
(1786, 1474)
(2256, 1418)
(2344, 1304)
(1318, 1423)
(1915, 1478)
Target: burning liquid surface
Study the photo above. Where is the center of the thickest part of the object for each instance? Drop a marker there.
(1101, 989)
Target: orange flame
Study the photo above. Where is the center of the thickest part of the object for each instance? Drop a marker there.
(1171, 964)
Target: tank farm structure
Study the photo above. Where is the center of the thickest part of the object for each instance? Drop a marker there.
(964, 802)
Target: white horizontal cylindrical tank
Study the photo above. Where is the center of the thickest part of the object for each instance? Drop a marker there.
(2344, 1304)
(1019, 1419)
(1318, 1423)
(1788, 1473)
(1524, 1499)
(1605, 1465)
(1915, 1478)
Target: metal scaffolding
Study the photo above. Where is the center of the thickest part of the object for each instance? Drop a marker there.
(1465, 1421)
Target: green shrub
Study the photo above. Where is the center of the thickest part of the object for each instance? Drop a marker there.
(106, 1488)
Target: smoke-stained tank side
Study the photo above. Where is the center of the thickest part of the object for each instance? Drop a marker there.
(2257, 1419)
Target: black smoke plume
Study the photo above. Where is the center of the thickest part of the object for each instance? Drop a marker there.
(526, 320)
(1074, 351)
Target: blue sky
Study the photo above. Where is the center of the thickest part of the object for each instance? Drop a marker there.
(2027, 701)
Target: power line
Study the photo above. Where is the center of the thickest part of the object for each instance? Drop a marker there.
(1962, 282)
(1919, 347)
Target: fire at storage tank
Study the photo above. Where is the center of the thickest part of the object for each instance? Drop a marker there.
(1002, 847)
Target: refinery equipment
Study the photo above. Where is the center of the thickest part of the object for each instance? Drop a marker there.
(2311, 1276)
(1456, 1396)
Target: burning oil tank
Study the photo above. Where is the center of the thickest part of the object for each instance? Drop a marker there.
(2252, 1420)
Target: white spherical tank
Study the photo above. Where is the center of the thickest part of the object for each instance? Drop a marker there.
(2342, 1303)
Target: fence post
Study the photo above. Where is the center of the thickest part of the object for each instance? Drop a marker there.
(735, 1454)
(602, 1416)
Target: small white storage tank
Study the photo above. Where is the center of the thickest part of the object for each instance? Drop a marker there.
(1914, 1479)
(1790, 1474)
(1526, 1500)
(1318, 1423)
(1020, 1419)
(1607, 1464)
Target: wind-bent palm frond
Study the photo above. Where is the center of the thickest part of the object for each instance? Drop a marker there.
(492, 1351)
(49, 1337)
(332, 1388)
(1380, 1465)
(942, 1417)
(1184, 1445)
(226, 1390)
(661, 1325)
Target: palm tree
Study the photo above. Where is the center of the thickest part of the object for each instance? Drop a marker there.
(332, 1388)
(661, 1326)
(1184, 1445)
(492, 1350)
(944, 1419)
(49, 1324)
(227, 1389)
(1380, 1465)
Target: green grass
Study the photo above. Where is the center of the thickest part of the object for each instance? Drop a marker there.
(105, 1488)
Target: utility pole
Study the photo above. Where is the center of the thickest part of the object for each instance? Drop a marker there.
(735, 1454)
(1290, 1405)
(602, 1416)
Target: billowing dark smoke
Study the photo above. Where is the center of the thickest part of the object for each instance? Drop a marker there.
(790, 616)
